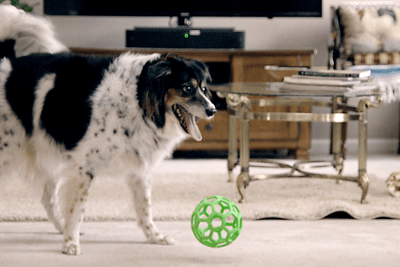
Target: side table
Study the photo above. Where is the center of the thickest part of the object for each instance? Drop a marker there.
(236, 95)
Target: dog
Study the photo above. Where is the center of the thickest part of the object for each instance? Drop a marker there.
(66, 119)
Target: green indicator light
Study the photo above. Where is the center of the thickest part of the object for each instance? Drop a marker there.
(186, 35)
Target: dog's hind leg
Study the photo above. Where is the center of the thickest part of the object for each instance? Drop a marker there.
(73, 213)
(50, 201)
(141, 188)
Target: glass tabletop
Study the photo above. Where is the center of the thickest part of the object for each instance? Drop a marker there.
(285, 90)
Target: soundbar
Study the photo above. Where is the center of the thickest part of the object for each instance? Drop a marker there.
(185, 37)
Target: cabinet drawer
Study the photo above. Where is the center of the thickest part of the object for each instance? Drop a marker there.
(215, 129)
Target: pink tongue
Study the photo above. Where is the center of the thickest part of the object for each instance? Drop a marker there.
(193, 129)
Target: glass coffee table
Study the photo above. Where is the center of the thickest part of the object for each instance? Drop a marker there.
(274, 94)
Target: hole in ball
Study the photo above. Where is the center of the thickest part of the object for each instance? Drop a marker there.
(217, 222)
(225, 210)
(208, 210)
(203, 225)
(211, 199)
(224, 234)
(230, 219)
(207, 233)
(215, 236)
(218, 208)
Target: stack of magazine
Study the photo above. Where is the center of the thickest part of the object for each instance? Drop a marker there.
(329, 80)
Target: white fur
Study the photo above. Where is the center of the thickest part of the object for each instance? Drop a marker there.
(32, 34)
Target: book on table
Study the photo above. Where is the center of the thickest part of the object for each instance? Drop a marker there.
(327, 88)
(336, 73)
(328, 80)
(321, 81)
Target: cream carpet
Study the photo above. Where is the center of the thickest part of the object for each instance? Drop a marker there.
(176, 195)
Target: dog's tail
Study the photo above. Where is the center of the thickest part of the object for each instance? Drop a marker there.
(22, 33)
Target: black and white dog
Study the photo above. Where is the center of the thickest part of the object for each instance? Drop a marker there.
(66, 119)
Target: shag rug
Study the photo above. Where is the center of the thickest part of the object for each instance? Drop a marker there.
(176, 196)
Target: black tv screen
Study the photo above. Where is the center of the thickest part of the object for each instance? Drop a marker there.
(201, 8)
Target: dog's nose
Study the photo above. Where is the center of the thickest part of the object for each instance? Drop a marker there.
(211, 111)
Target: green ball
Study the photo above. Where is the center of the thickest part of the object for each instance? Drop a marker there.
(216, 222)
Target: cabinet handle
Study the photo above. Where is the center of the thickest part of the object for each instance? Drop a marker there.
(209, 127)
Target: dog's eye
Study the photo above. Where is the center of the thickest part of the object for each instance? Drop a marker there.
(204, 89)
(187, 89)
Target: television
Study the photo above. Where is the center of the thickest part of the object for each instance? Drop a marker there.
(181, 37)
(188, 8)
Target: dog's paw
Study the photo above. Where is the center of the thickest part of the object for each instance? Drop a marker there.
(71, 249)
(162, 240)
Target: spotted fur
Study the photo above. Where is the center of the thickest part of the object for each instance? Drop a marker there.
(67, 119)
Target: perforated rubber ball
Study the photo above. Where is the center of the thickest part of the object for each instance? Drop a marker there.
(216, 221)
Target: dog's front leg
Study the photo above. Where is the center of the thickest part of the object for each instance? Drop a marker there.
(141, 188)
(74, 214)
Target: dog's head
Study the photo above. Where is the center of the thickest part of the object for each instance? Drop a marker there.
(178, 85)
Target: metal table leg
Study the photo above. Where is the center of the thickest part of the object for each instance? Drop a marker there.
(244, 177)
(337, 138)
(363, 180)
(232, 147)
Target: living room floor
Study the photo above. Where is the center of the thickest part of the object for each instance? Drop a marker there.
(326, 242)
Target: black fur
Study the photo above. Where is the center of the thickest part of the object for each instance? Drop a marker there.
(7, 48)
(150, 92)
(389, 12)
(76, 79)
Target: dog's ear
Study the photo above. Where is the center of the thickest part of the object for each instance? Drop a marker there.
(157, 78)
(208, 75)
(161, 70)
(164, 56)
(208, 79)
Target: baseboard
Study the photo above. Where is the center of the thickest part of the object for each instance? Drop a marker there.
(374, 145)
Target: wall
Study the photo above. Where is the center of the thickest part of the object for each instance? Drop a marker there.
(261, 34)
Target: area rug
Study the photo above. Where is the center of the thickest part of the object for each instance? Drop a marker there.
(176, 195)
